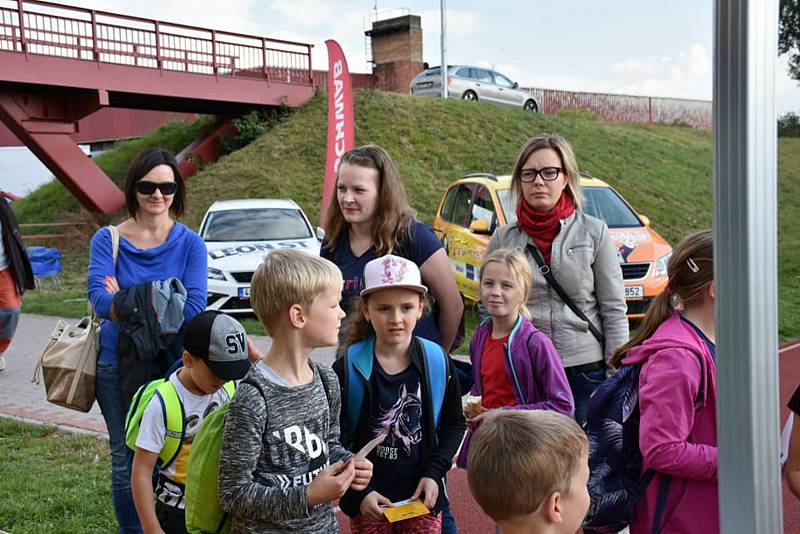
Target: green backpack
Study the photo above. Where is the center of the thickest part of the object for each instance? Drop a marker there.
(171, 410)
(201, 495)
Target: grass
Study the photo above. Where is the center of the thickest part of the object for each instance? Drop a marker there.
(664, 171)
(52, 481)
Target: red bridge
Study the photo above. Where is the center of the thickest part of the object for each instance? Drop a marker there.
(59, 64)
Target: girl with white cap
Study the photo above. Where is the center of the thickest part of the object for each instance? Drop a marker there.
(398, 391)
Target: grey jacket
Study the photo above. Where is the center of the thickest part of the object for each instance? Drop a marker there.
(585, 263)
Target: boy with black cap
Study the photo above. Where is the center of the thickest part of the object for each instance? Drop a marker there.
(215, 352)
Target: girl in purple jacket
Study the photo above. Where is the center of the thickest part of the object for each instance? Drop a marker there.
(516, 366)
(678, 396)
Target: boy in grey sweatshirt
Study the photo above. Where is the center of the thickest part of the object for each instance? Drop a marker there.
(281, 463)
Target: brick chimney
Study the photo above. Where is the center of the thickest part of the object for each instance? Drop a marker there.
(396, 52)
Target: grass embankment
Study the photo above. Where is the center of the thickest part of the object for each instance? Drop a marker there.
(53, 481)
(664, 171)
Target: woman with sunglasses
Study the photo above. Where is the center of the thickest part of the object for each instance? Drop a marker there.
(152, 247)
(559, 239)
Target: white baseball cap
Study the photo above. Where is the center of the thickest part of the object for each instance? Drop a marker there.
(392, 271)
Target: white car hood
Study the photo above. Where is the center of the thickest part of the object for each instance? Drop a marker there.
(241, 256)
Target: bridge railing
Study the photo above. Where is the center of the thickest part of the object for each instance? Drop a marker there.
(45, 28)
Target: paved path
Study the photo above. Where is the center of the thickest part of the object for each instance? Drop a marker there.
(20, 398)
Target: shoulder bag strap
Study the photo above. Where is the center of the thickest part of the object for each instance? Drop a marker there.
(114, 254)
(544, 269)
(114, 242)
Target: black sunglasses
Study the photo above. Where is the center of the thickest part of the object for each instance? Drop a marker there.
(145, 187)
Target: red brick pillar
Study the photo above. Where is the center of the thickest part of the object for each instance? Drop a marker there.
(396, 52)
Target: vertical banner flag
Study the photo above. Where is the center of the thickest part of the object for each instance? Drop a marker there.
(341, 125)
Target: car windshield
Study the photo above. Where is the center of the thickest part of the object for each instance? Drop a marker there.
(509, 206)
(604, 203)
(258, 224)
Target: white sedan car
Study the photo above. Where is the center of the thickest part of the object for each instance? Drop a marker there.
(238, 234)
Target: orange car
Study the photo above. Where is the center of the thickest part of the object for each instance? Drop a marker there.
(478, 203)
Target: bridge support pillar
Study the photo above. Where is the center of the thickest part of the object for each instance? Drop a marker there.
(44, 121)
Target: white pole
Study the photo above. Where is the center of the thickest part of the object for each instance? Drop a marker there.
(745, 250)
(443, 8)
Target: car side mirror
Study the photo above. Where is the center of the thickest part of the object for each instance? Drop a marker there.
(320, 233)
(516, 85)
(479, 226)
(645, 219)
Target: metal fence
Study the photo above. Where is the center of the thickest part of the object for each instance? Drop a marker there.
(627, 108)
(44, 28)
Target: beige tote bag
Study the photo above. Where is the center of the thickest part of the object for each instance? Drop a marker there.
(68, 363)
(69, 360)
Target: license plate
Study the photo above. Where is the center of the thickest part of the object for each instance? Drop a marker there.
(634, 292)
(244, 293)
(425, 85)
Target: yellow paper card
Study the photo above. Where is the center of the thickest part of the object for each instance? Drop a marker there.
(405, 510)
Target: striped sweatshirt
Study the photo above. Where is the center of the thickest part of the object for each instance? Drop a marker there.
(273, 447)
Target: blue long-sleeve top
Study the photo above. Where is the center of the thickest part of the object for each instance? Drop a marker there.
(183, 255)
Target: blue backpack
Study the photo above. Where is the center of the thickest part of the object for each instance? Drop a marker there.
(358, 370)
(616, 482)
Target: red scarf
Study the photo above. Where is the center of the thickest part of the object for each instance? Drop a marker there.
(543, 226)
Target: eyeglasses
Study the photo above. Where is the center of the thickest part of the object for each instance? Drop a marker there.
(146, 187)
(548, 174)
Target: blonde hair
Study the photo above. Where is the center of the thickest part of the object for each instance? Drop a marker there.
(394, 215)
(535, 452)
(569, 164)
(521, 273)
(287, 277)
(690, 270)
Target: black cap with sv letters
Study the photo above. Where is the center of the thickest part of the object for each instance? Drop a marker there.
(220, 341)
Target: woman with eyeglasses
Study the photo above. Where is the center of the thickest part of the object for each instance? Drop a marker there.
(573, 250)
(152, 247)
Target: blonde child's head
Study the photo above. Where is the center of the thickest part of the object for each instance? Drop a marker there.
(512, 266)
(290, 277)
(389, 282)
(543, 456)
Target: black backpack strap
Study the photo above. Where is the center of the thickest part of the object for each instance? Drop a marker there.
(701, 391)
(326, 386)
(257, 386)
(661, 502)
(544, 269)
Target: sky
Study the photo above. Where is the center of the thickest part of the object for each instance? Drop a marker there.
(641, 47)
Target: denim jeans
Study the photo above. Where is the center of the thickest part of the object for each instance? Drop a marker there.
(448, 521)
(110, 401)
(582, 384)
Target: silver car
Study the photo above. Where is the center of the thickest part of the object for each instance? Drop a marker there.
(473, 83)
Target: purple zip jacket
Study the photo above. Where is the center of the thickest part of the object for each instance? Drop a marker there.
(534, 369)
